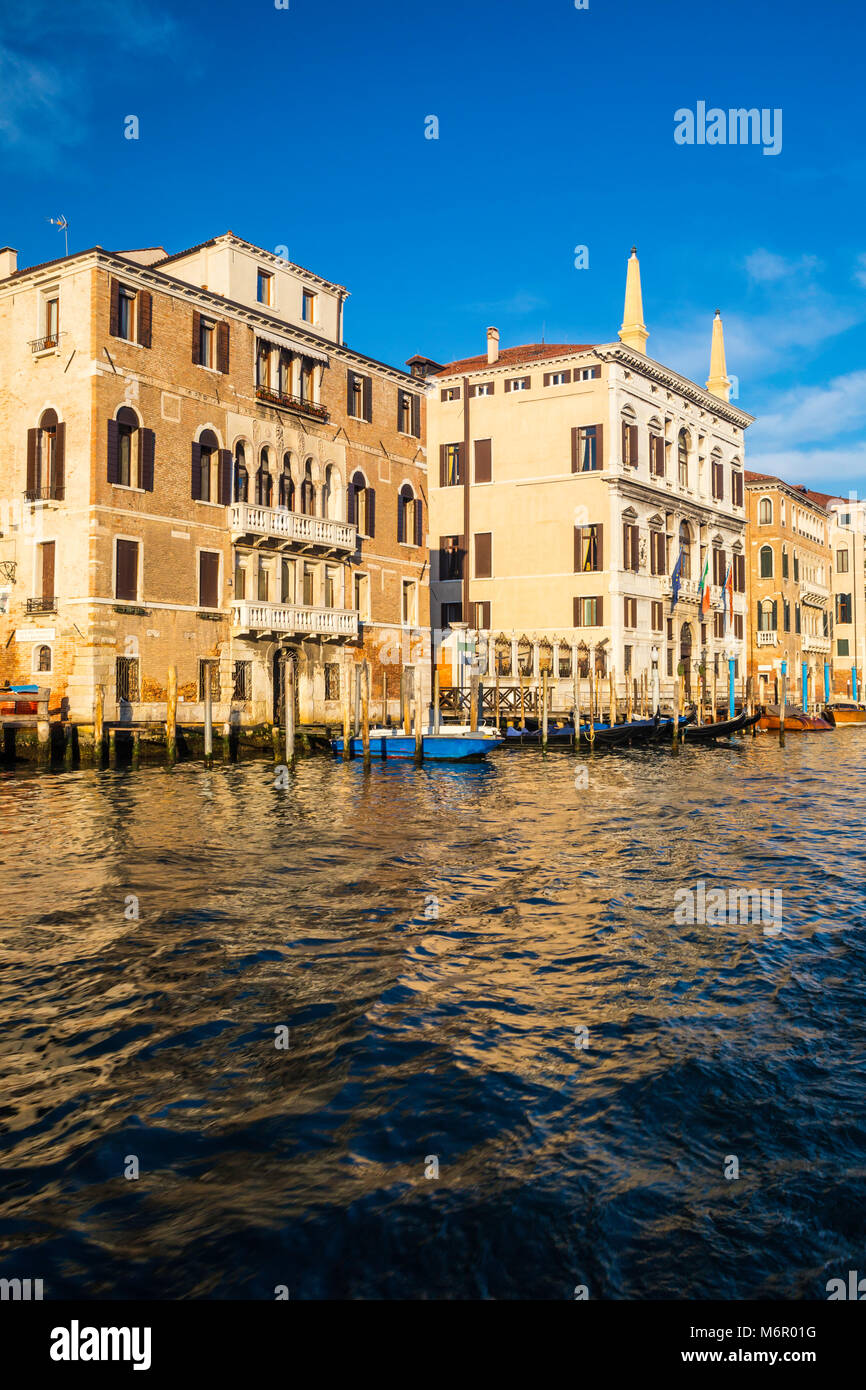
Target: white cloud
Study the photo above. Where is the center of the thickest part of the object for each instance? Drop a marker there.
(824, 470)
(811, 414)
(767, 267)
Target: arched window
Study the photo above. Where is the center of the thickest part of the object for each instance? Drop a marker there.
(208, 456)
(683, 445)
(264, 482)
(45, 462)
(286, 493)
(686, 549)
(765, 559)
(545, 656)
(765, 512)
(43, 659)
(127, 447)
(524, 657)
(563, 660)
(362, 505)
(502, 655)
(241, 474)
(405, 515)
(308, 491)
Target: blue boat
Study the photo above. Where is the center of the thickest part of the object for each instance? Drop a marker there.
(453, 745)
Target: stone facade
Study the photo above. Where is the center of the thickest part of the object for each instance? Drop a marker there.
(169, 499)
(790, 608)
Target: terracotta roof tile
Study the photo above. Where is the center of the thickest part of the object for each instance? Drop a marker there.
(514, 357)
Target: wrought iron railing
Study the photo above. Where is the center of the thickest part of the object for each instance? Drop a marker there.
(43, 344)
(289, 402)
(42, 605)
(52, 492)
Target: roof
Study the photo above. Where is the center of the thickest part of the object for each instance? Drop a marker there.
(818, 499)
(514, 357)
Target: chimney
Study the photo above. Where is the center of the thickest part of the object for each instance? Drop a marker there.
(493, 345)
(8, 262)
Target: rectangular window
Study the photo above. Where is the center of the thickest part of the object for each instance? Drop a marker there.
(451, 613)
(629, 444)
(738, 626)
(409, 606)
(588, 374)
(126, 677)
(309, 583)
(718, 482)
(449, 465)
(588, 611)
(479, 616)
(658, 552)
(842, 562)
(125, 314)
(450, 393)
(718, 624)
(657, 615)
(331, 582)
(657, 455)
(843, 608)
(557, 378)
(208, 579)
(450, 557)
(242, 681)
(630, 547)
(626, 651)
(586, 449)
(207, 343)
(409, 413)
(483, 555)
(518, 383)
(842, 647)
(263, 593)
(309, 307)
(737, 488)
(481, 388)
(630, 612)
(588, 549)
(265, 287)
(52, 320)
(483, 461)
(126, 570)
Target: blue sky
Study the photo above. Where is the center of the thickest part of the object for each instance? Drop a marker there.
(305, 127)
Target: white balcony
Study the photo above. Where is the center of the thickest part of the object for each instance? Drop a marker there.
(305, 533)
(816, 595)
(817, 644)
(290, 620)
(767, 639)
(689, 588)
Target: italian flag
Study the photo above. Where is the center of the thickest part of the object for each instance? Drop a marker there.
(704, 593)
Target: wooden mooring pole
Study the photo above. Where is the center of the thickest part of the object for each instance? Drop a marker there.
(208, 716)
(171, 716)
(99, 724)
(289, 705)
(575, 706)
(347, 713)
(782, 704)
(419, 731)
(544, 709)
(473, 702)
(677, 702)
(365, 712)
(437, 713)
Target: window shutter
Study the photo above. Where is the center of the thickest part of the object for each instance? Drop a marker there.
(368, 399)
(600, 610)
(208, 579)
(222, 346)
(578, 549)
(600, 531)
(442, 470)
(371, 512)
(626, 546)
(145, 317)
(483, 460)
(148, 449)
(483, 555)
(127, 570)
(599, 446)
(574, 458)
(111, 460)
(576, 614)
(419, 522)
(775, 615)
(351, 509)
(224, 484)
(624, 441)
(350, 393)
(195, 460)
(32, 459)
(60, 456)
(485, 616)
(114, 308)
(416, 416)
(196, 337)
(401, 518)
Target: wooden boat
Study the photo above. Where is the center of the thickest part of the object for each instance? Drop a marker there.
(723, 728)
(843, 712)
(797, 721)
(634, 731)
(453, 744)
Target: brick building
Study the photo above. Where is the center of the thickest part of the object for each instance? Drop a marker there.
(195, 468)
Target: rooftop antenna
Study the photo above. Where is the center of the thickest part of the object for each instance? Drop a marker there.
(62, 223)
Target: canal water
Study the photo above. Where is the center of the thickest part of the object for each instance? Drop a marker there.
(509, 1071)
